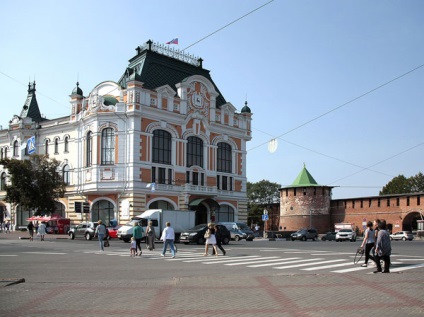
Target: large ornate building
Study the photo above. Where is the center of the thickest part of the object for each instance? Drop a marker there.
(162, 136)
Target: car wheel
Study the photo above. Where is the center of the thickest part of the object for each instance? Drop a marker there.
(303, 238)
(87, 236)
(226, 241)
(404, 239)
(201, 240)
(292, 239)
(71, 236)
(323, 238)
(236, 238)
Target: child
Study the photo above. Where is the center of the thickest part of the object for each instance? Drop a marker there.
(133, 247)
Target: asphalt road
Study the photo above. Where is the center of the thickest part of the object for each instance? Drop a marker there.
(74, 267)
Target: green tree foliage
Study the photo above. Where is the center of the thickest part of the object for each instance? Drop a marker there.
(260, 195)
(402, 185)
(34, 183)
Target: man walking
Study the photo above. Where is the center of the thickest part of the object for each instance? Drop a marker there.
(168, 237)
(101, 232)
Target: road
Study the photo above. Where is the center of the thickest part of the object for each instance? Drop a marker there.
(66, 269)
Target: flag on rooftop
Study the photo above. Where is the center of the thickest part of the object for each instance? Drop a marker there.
(173, 41)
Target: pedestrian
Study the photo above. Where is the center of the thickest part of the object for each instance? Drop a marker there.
(133, 247)
(36, 226)
(138, 235)
(383, 248)
(30, 229)
(150, 236)
(219, 239)
(168, 237)
(100, 233)
(7, 227)
(210, 239)
(42, 230)
(368, 242)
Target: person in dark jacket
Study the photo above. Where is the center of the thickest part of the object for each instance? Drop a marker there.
(219, 239)
(383, 248)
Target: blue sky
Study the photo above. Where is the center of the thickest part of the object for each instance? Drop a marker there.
(296, 62)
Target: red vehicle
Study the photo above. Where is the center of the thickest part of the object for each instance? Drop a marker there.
(113, 231)
(59, 225)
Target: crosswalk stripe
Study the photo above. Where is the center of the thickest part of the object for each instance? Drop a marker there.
(285, 261)
(262, 260)
(304, 264)
(408, 267)
(232, 259)
(328, 266)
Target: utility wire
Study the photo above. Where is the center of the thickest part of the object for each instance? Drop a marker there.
(341, 106)
(227, 25)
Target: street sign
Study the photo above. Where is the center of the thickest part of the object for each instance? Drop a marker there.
(31, 145)
(264, 217)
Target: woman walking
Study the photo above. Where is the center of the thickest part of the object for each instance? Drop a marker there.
(150, 236)
(368, 242)
(210, 239)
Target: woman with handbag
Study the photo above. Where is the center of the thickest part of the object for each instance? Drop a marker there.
(210, 239)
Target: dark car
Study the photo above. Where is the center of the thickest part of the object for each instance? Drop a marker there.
(196, 234)
(329, 236)
(304, 234)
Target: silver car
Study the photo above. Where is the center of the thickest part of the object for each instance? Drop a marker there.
(402, 235)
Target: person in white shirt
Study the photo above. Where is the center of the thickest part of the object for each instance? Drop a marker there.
(168, 237)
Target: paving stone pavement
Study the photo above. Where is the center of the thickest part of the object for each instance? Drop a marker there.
(278, 294)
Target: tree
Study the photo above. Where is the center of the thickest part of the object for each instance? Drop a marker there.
(402, 185)
(35, 184)
(260, 195)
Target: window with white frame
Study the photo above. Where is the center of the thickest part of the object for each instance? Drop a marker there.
(89, 149)
(108, 147)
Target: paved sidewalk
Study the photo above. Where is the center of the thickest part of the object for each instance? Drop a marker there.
(395, 294)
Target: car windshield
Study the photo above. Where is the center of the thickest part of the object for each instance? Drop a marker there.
(132, 222)
(198, 227)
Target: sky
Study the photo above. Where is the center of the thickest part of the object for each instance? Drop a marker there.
(338, 84)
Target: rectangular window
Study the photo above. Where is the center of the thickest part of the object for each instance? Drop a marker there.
(315, 191)
(369, 203)
(195, 178)
(362, 203)
(379, 202)
(187, 177)
(231, 183)
(418, 200)
(388, 202)
(294, 191)
(153, 174)
(287, 192)
(218, 182)
(224, 183)
(202, 179)
(397, 201)
(407, 201)
(353, 204)
(304, 191)
(161, 175)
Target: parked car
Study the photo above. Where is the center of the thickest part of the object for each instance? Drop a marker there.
(84, 230)
(237, 234)
(402, 235)
(329, 236)
(304, 234)
(113, 232)
(240, 226)
(196, 234)
(346, 234)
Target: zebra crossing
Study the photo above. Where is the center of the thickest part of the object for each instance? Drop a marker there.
(301, 260)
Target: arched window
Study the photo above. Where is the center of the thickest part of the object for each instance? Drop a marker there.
(15, 149)
(3, 181)
(108, 146)
(89, 149)
(66, 144)
(56, 146)
(224, 158)
(161, 204)
(194, 151)
(46, 147)
(65, 174)
(102, 210)
(161, 147)
(225, 213)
